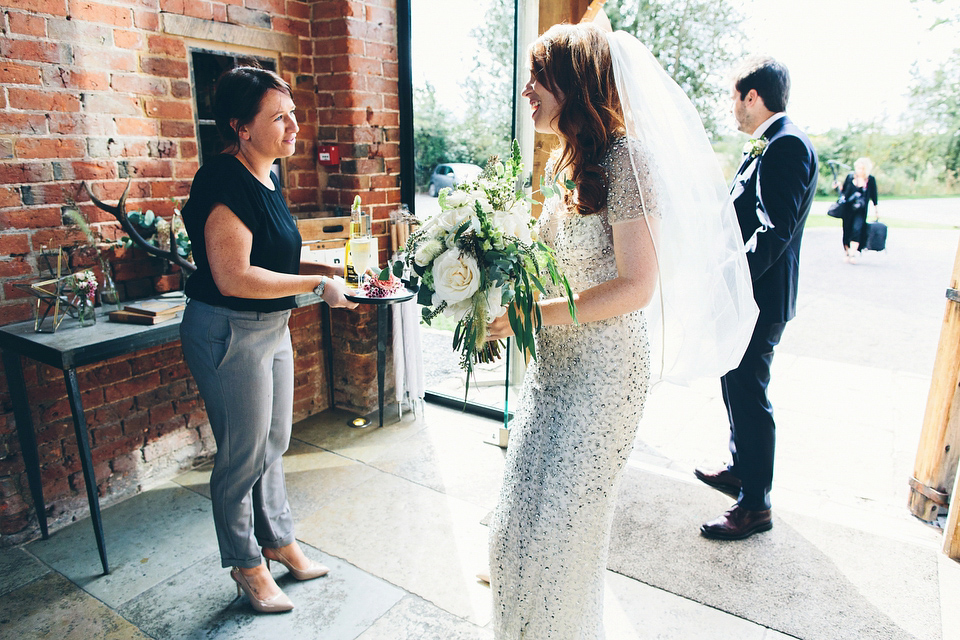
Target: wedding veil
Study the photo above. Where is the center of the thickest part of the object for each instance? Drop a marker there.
(703, 313)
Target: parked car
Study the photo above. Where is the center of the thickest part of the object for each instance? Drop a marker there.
(450, 175)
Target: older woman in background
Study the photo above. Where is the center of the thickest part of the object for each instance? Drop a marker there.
(859, 189)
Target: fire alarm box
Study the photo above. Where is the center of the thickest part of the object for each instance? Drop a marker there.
(328, 155)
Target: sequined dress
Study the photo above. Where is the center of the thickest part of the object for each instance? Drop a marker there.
(574, 429)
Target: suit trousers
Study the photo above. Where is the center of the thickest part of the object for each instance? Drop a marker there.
(752, 429)
(242, 362)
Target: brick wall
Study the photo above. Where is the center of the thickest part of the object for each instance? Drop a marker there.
(100, 92)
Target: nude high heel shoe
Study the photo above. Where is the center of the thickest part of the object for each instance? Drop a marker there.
(277, 604)
(315, 570)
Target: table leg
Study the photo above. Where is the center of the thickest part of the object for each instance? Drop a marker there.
(382, 317)
(28, 440)
(89, 477)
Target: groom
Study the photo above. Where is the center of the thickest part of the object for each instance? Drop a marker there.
(772, 194)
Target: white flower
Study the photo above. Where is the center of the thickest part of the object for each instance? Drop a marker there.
(427, 252)
(456, 276)
(451, 219)
(456, 199)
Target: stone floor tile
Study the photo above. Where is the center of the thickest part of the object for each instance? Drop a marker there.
(149, 538)
(448, 459)
(416, 619)
(329, 430)
(17, 568)
(53, 608)
(202, 602)
(428, 543)
(636, 611)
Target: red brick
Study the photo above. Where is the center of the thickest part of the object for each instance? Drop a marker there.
(34, 100)
(14, 244)
(16, 266)
(299, 28)
(139, 84)
(75, 79)
(59, 237)
(201, 9)
(31, 50)
(113, 60)
(165, 67)
(22, 123)
(175, 129)
(136, 270)
(220, 13)
(96, 12)
(111, 103)
(9, 197)
(181, 89)
(166, 45)
(148, 20)
(49, 148)
(16, 73)
(106, 433)
(170, 189)
(185, 169)
(168, 109)
(275, 7)
(30, 218)
(137, 127)
(297, 9)
(188, 149)
(52, 7)
(172, 6)
(94, 170)
(16, 312)
(106, 374)
(128, 39)
(86, 124)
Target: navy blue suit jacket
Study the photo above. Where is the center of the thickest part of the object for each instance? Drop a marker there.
(787, 172)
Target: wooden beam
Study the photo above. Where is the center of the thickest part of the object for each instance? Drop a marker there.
(938, 451)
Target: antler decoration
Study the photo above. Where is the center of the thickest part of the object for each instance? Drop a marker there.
(120, 213)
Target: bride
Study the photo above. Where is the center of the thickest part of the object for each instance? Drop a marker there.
(651, 249)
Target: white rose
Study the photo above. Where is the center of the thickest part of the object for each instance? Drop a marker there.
(456, 199)
(427, 252)
(451, 219)
(456, 276)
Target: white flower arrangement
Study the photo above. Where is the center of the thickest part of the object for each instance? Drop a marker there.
(478, 259)
(755, 147)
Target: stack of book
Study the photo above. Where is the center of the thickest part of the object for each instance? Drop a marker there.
(152, 311)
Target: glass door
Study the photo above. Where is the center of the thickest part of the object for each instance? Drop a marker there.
(464, 85)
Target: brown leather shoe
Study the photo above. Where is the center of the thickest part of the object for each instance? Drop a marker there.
(722, 480)
(737, 523)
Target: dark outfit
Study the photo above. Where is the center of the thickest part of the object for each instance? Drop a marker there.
(787, 176)
(855, 220)
(240, 354)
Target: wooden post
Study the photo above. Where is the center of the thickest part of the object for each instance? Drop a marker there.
(938, 452)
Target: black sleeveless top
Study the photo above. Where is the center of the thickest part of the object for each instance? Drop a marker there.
(276, 241)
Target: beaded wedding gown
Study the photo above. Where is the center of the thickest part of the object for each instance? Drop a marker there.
(581, 403)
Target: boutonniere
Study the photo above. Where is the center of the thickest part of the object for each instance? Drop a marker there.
(755, 147)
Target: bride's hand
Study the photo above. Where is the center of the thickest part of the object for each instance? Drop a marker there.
(499, 329)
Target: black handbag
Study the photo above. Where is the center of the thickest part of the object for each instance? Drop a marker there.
(837, 208)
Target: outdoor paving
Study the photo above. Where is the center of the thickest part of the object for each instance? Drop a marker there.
(398, 512)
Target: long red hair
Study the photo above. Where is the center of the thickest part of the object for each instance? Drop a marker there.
(573, 63)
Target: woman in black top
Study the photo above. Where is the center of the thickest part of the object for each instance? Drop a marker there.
(859, 189)
(234, 331)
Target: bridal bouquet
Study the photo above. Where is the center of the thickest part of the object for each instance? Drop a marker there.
(478, 259)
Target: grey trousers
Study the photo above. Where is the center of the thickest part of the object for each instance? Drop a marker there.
(242, 362)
